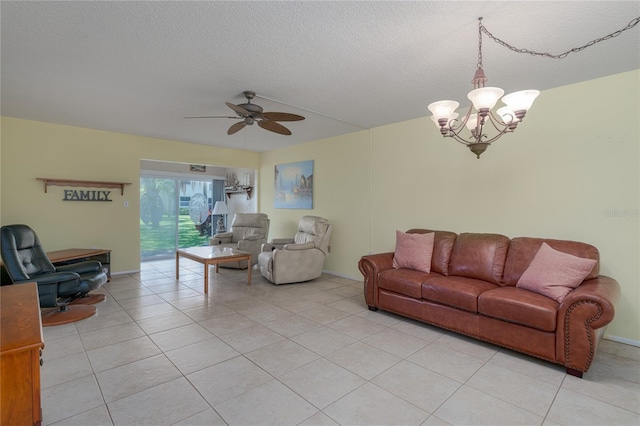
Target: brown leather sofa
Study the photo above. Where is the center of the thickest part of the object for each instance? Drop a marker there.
(471, 290)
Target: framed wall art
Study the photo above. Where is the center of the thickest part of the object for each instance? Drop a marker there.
(293, 185)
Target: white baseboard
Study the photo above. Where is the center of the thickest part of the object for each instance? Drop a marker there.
(135, 271)
(324, 271)
(623, 340)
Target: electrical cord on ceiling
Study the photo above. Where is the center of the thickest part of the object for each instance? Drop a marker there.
(312, 111)
(630, 25)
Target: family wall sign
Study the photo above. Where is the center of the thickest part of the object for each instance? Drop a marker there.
(81, 194)
(73, 195)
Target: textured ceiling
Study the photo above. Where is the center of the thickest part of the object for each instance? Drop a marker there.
(140, 67)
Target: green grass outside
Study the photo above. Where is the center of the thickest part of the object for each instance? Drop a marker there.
(160, 241)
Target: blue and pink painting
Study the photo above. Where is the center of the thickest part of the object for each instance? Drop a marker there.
(293, 185)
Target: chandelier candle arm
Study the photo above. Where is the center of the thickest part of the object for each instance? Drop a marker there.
(507, 116)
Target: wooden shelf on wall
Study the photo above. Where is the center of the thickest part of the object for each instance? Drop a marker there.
(241, 190)
(83, 183)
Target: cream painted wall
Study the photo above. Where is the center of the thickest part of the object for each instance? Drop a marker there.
(574, 159)
(341, 194)
(34, 149)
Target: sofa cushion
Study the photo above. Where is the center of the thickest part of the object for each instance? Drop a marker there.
(555, 274)
(459, 292)
(404, 281)
(519, 306)
(480, 256)
(442, 246)
(413, 251)
(522, 250)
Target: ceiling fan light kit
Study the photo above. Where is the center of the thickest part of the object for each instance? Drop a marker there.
(483, 100)
(251, 113)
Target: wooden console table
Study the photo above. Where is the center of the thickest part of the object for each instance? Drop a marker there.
(21, 346)
(75, 255)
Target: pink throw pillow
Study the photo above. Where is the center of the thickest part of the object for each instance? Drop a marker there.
(413, 251)
(555, 274)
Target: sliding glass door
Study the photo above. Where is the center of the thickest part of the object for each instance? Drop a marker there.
(194, 221)
(176, 213)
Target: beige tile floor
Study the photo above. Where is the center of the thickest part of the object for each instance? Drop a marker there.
(160, 352)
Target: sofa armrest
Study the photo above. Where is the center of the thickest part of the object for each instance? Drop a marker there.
(289, 266)
(279, 243)
(222, 238)
(602, 291)
(589, 307)
(282, 241)
(267, 247)
(227, 234)
(303, 246)
(370, 266)
(251, 246)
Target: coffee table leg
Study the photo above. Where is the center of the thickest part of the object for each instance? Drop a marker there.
(249, 273)
(177, 266)
(206, 277)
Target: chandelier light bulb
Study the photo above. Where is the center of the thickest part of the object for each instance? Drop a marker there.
(443, 109)
(472, 122)
(485, 98)
(522, 100)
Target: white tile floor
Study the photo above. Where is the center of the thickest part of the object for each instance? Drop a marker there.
(161, 352)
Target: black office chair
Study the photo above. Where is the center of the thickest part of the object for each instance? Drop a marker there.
(26, 261)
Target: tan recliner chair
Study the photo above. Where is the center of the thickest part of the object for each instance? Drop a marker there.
(248, 232)
(297, 259)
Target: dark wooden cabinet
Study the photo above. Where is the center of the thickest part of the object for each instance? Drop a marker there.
(21, 346)
(75, 255)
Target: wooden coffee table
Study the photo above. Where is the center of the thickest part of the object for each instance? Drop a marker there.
(213, 255)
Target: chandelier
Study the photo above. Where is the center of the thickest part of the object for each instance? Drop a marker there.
(484, 99)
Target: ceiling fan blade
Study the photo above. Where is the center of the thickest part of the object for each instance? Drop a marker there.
(235, 128)
(272, 126)
(214, 116)
(282, 116)
(243, 112)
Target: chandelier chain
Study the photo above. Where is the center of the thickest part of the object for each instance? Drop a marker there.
(483, 29)
(480, 26)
